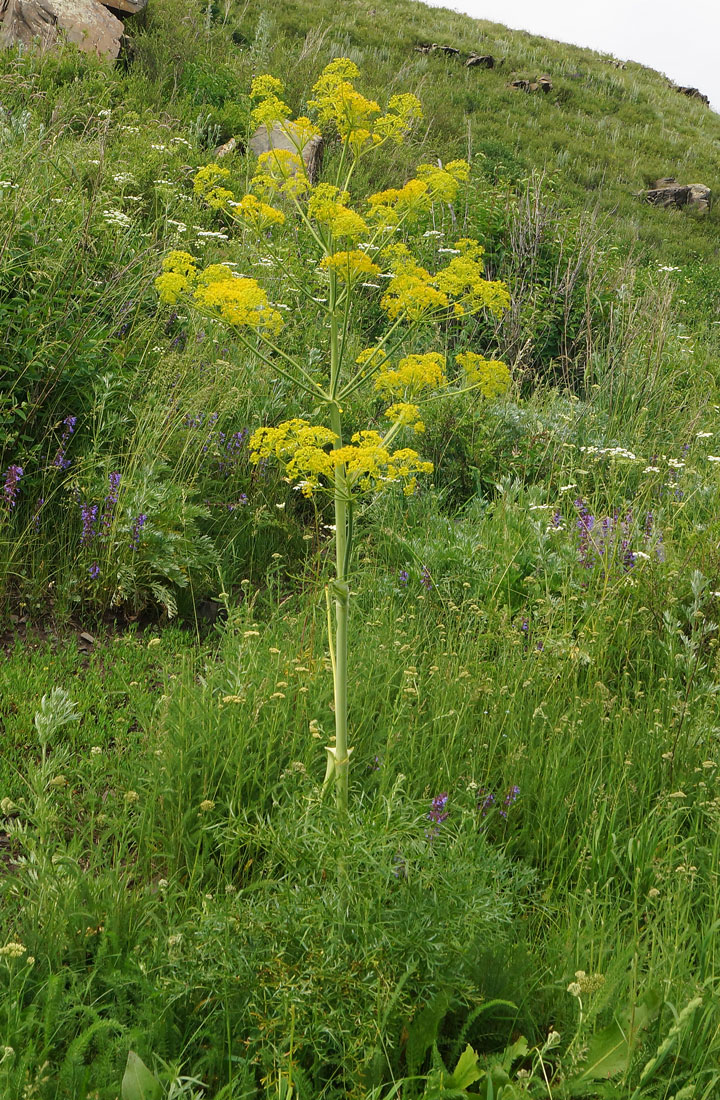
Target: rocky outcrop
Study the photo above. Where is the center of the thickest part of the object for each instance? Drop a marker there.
(540, 84)
(667, 192)
(127, 7)
(484, 60)
(691, 93)
(263, 140)
(86, 23)
(434, 48)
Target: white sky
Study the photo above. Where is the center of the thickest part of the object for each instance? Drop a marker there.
(680, 39)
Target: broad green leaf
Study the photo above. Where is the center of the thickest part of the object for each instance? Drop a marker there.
(466, 1071)
(608, 1052)
(610, 1049)
(138, 1082)
(511, 1054)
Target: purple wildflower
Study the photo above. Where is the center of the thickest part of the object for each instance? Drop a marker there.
(403, 577)
(437, 814)
(138, 524)
(510, 797)
(109, 504)
(89, 513)
(425, 578)
(585, 524)
(60, 461)
(556, 520)
(12, 481)
(486, 801)
(94, 570)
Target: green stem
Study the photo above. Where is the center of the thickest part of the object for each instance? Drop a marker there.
(340, 588)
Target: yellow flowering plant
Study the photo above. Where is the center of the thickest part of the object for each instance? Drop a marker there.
(350, 243)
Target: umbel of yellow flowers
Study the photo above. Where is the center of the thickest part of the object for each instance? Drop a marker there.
(351, 243)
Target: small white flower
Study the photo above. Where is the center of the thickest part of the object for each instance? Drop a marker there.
(651, 470)
(713, 458)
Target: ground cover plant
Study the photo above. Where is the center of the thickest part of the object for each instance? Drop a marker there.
(521, 897)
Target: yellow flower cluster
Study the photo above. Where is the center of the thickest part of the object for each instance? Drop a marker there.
(236, 300)
(266, 90)
(300, 131)
(386, 208)
(405, 413)
(432, 184)
(178, 274)
(372, 358)
(443, 183)
(257, 214)
(414, 291)
(402, 111)
(328, 207)
(411, 293)
(302, 449)
(350, 266)
(207, 185)
(463, 280)
(280, 170)
(491, 376)
(336, 100)
(413, 374)
(357, 119)
(369, 464)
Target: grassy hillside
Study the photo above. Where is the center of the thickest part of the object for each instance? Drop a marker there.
(529, 864)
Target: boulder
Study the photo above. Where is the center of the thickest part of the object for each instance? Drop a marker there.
(540, 84)
(668, 193)
(128, 7)
(692, 93)
(85, 22)
(263, 140)
(484, 60)
(700, 196)
(433, 46)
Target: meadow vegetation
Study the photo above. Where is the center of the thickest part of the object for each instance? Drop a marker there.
(520, 895)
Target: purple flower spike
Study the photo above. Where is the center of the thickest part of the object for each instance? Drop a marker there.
(89, 514)
(425, 578)
(109, 503)
(437, 814)
(94, 570)
(509, 799)
(12, 483)
(403, 577)
(137, 527)
(60, 461)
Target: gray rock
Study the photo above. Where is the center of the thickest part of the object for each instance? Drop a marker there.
(132, 7)
(263, 141)
(85, 22)
(692, 93)
(668, 193)
(484, 60)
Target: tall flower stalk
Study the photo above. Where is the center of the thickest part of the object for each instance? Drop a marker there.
(351, 243)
